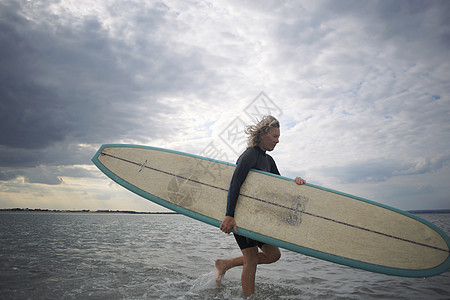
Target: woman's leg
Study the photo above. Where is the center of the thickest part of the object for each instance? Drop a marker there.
(269, 254)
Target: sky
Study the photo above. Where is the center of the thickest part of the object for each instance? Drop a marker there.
(361, 89)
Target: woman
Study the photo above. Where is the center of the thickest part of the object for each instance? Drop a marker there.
(263, 137)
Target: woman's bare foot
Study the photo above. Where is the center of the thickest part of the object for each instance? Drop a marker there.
(221, 266)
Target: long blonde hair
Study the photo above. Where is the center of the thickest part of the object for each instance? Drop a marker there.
(262, 127)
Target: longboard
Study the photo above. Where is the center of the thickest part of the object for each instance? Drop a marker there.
(308, 219)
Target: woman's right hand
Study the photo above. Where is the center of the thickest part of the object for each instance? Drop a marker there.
(228, 224)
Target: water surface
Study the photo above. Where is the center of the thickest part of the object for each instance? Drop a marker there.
(126, 256)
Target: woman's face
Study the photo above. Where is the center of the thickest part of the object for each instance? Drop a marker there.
(270, 140)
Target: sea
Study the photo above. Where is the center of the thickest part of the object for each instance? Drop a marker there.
(150, 256)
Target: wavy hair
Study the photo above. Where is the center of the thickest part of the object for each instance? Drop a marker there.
(262, 127)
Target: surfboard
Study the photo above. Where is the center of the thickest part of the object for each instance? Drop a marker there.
(308, 219)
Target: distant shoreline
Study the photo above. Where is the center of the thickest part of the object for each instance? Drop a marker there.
(87, 211)
(107, 211)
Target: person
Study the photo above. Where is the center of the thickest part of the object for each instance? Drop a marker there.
(262, 137)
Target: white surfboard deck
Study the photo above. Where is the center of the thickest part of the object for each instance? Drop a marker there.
(308, 219)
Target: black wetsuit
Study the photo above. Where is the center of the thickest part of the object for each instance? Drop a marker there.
(252, 158)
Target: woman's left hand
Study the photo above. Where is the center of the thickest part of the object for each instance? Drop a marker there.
(300, 181)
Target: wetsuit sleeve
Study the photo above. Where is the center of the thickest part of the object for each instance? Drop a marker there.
(246, 162)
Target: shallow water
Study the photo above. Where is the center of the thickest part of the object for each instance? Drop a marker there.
(120, 256)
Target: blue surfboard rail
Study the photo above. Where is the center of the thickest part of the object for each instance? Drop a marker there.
(443, 267)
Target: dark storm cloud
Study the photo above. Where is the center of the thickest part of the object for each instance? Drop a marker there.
(371, 171)
(380, 170)
(36, 109)
(6, 175)
(58, 82)
(66, 80)
(30, 113)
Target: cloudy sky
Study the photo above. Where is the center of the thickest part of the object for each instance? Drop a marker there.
(361, 89)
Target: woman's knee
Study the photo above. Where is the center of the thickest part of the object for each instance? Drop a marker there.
(272, 253)
(276, 256)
